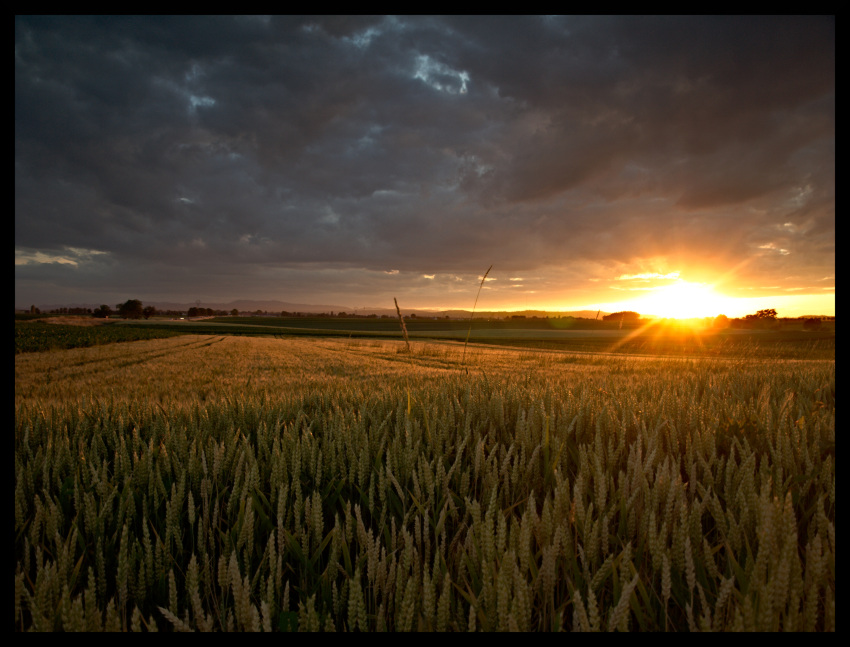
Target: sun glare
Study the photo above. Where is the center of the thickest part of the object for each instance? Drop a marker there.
(685, 300)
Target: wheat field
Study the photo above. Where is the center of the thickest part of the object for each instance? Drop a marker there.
(228, 483)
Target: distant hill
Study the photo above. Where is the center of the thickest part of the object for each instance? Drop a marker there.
(245, 305)
(241, 305)
(276, 307)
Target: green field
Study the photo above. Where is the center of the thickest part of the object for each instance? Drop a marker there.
(227, 482)
(572, 335)
(33, 337)
(575, 335)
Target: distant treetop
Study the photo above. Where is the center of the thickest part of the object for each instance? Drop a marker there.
(763, 314)
(131, 309)
(625, 316)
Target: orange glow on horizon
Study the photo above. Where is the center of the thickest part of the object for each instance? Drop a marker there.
(665, 297)
(686, 300)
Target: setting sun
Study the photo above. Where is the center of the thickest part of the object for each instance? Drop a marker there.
(685, 300)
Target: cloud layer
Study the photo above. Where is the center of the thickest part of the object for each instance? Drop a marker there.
(229, 157)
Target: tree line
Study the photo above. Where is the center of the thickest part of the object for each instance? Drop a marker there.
(134, 309)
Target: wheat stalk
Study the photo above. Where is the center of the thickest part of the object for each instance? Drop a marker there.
(403, 327)
(484, 278)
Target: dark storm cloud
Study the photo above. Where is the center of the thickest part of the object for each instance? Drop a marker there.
(247, 145)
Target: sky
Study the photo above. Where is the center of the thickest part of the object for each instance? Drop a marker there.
(679, 166)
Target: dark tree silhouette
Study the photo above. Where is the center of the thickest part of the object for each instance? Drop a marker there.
(131, 309)
(626, 316)
(721, 321)
(763, 314)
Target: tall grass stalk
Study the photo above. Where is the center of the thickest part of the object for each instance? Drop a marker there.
(484, 278)
(403, 327)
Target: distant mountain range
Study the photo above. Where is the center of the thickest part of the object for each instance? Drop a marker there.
(277, 307)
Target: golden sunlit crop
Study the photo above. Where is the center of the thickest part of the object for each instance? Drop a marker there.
(220, 483)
